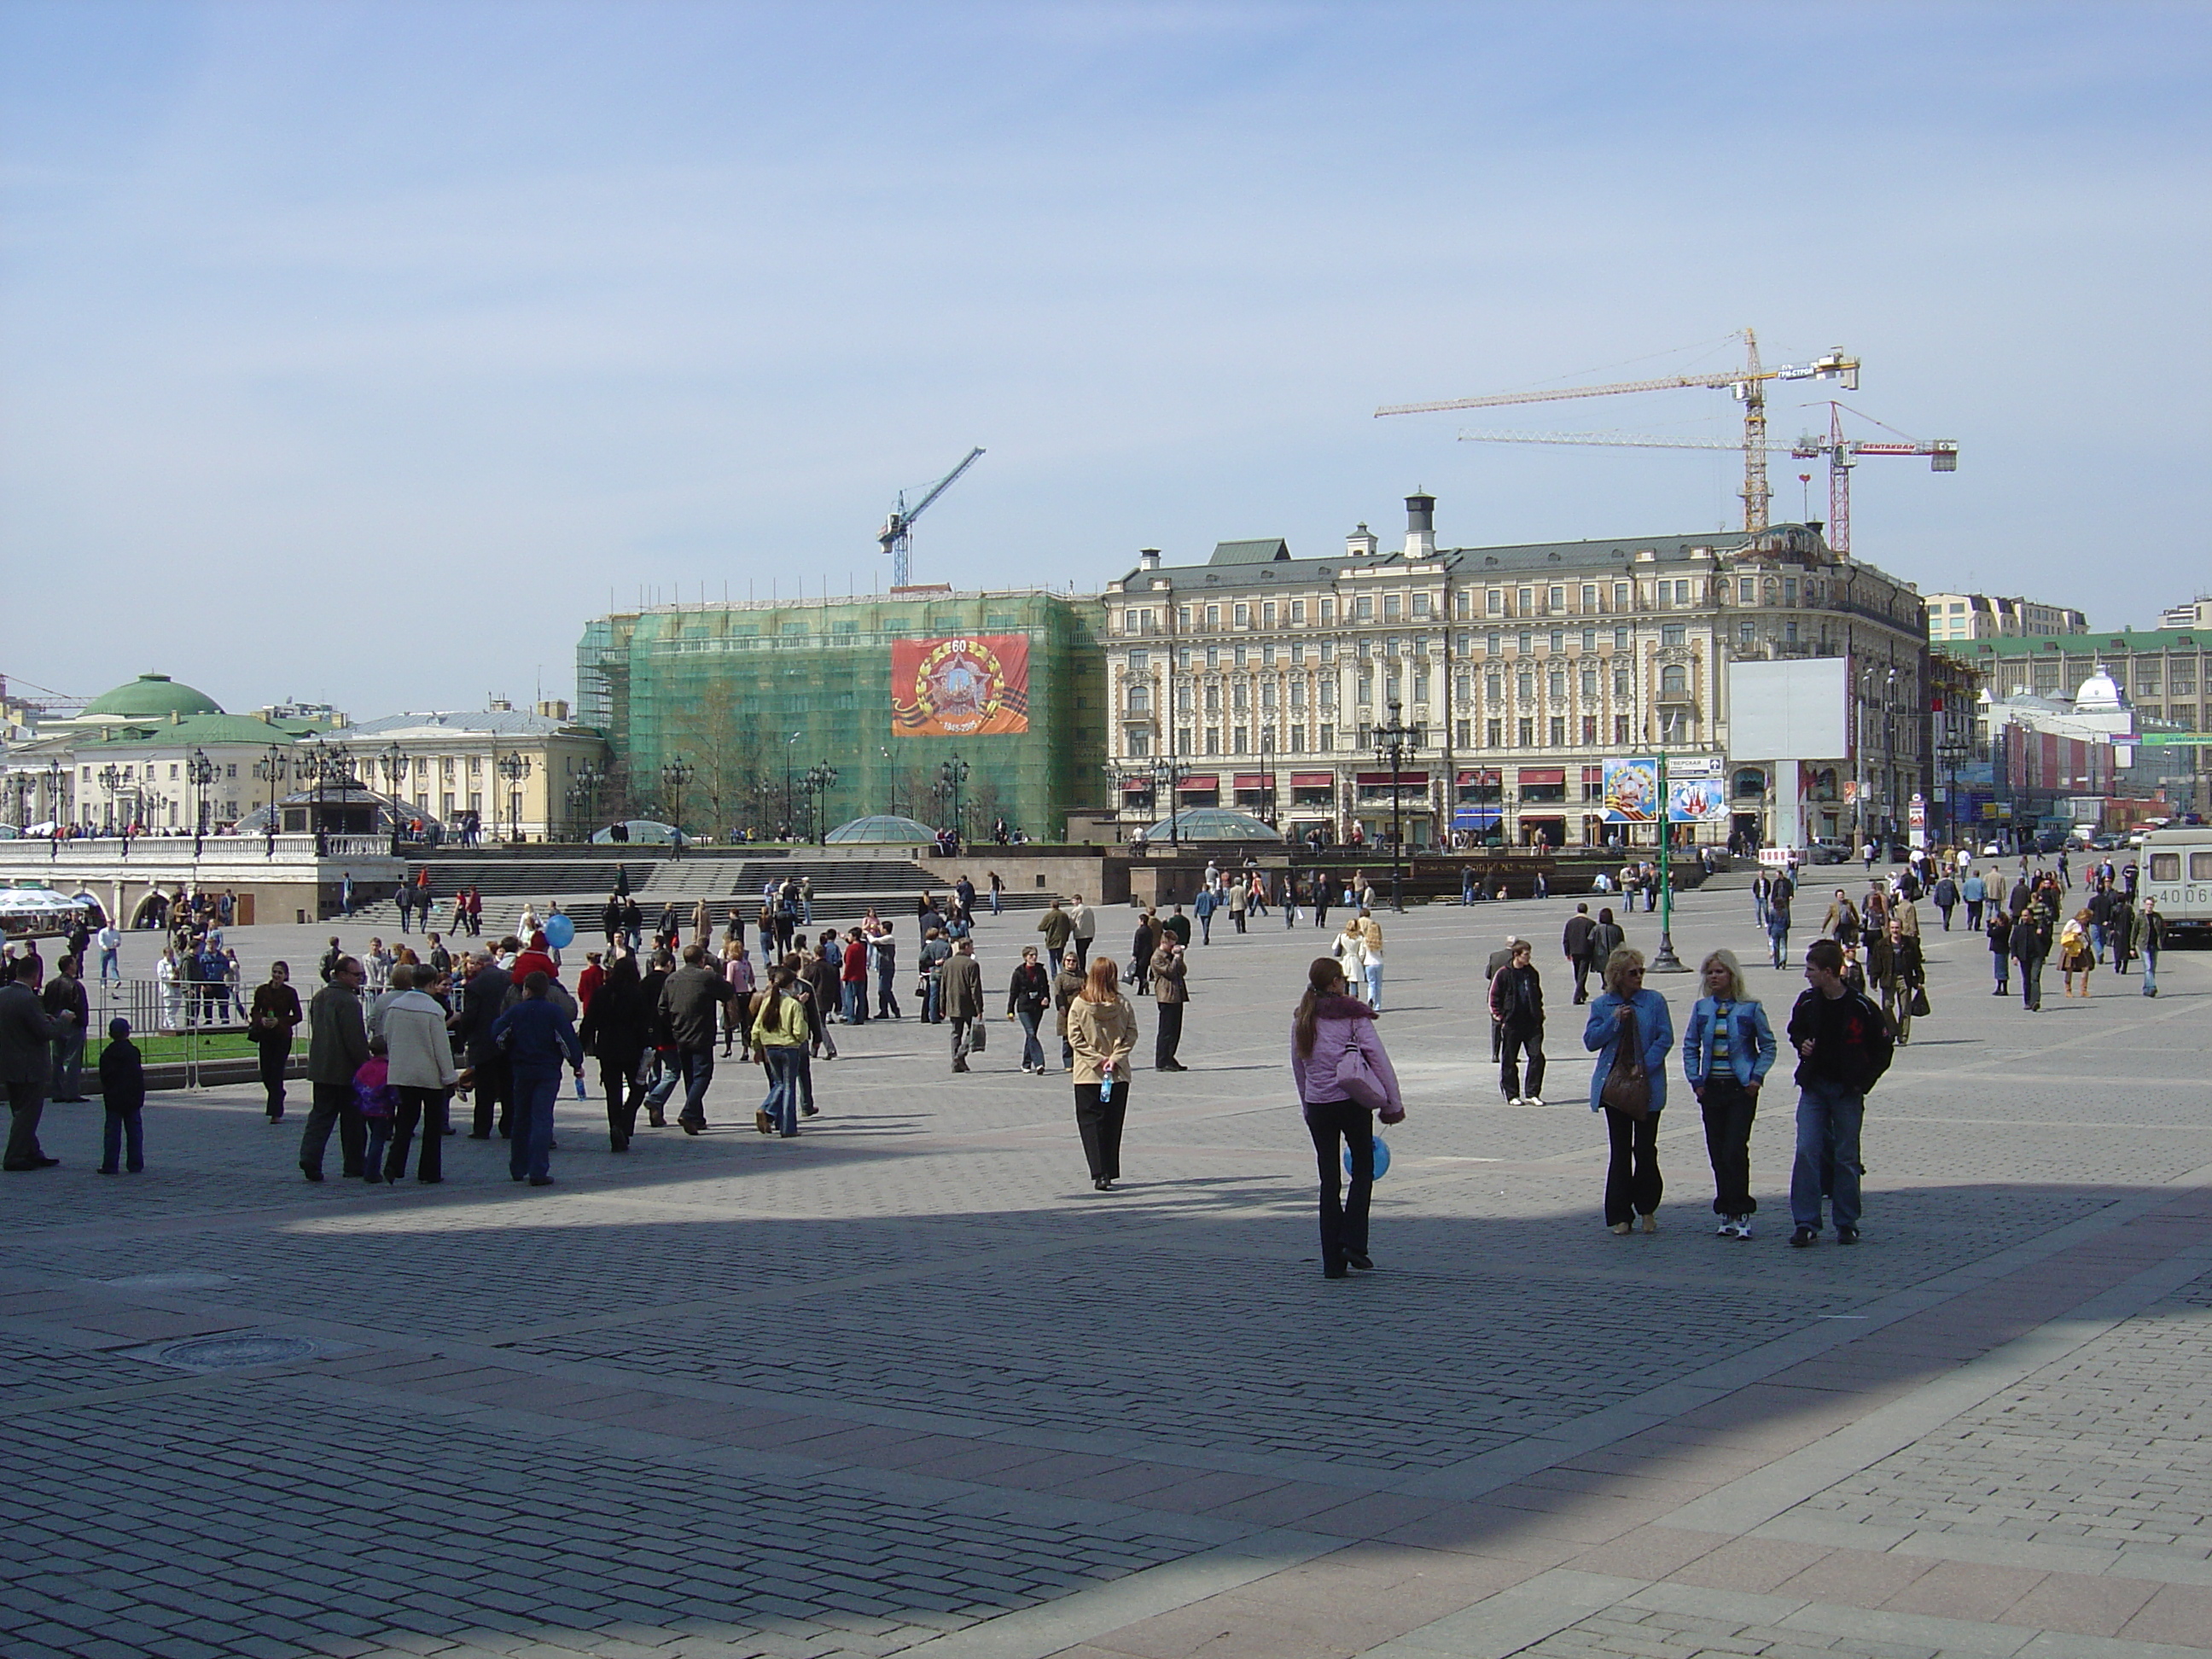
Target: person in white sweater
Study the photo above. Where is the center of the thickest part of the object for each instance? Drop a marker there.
(421, 1056)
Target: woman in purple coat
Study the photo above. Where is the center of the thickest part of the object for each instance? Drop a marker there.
(1331, 1025)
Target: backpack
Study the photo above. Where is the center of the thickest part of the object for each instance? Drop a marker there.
(371, 1088)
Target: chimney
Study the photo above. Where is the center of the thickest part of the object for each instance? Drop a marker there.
(1148, 557)
(1420, 526)
(1360, 543)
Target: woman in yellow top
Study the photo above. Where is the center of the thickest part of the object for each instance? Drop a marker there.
(779, 1036)
(1102, 1029)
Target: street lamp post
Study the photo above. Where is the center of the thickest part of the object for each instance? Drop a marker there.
(110, 776)
(54, 772)
(673, 777)
(1395, 744)
(1663, 960)
(954, 773)
(819, 780)
(787, 742)
(201, 770)
(513, 767)
(582, 790)
(1169, 775)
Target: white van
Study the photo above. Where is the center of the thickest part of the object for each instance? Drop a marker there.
(2177, 871)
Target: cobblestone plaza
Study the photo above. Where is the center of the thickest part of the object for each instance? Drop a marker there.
(908, 1385)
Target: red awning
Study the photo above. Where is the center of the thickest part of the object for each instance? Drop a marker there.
(1486, 777)
(1594, 777)
(1313, 779)
(1136, 785)
(1202, 783)
(1255, 780)
(1385, 779)
(1542, 775)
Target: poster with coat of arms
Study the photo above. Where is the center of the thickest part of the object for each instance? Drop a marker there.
(961, 688)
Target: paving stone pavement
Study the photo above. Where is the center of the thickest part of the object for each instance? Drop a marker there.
(906, 1385)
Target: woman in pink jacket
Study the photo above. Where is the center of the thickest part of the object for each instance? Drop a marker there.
(1340, 1099)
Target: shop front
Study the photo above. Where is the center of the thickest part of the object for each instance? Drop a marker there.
(1384, 801)
(1542, 795)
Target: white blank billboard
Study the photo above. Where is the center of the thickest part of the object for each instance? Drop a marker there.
(1788, 711)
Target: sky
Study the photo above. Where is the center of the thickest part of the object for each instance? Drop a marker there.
(361, 354)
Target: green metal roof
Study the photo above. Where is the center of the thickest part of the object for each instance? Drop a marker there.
(198, 731)
(2128, 641)
(153, 696)
(1258, 552)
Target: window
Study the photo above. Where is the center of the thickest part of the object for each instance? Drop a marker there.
(1182, 658)
(1212, 739)
(1182, 618)
(1140, 743)
(1327, 615)
(1328, 737)
(1393, 607)
(1213, 616)
(2166, 866)
(1528, 733)
(1268, 613)
(1494, 687)
(476, 767)
(1213, 656)
(1524, 687)
(1298, 615)
(1673, 633)
(1747, 633)
(1238, 657)
(1141, 699)
(1212, 698)
(1620, 639)
(1494, 731)
(1267, 696)
(1623, 686)
(1139, 661)
(1590, 639)
(1558, 687)
(1241, 615)
(1420, 604)
(1589, 728)
(1366, 684)
(1267, 656)
(1621, 596)
(1528, 602)
(1589, 684)
(1790, 633)
(1559, 730)
(1558, 639)
(1621, 728)
(1526, 644)
(1788, 590)
(1463, 604)
(1238, 740)
(1956, 606)
(1673, 681)
(1328, 651)
(1747, 590)
(1493, 645)
(1362, 608)
(1297, 740)
(2200, 866)
(1558, 599)
(1421, 684)
(1493, 603)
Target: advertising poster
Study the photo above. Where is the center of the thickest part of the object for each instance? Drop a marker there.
(1631, 791)
(1697, 792)
(978, 687)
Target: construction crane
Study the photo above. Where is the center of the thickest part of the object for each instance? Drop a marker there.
(1748, 384)
(897, 533)
(1843, 454)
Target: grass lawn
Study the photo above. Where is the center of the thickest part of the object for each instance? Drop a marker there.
(204, 1045)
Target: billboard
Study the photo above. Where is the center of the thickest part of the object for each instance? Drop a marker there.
(1791, 710)
(1697, 790)
(976, 687)
(1631, 790)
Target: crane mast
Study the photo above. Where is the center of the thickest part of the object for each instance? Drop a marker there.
(896, 536)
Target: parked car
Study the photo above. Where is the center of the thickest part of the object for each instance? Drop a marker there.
(1829, 852)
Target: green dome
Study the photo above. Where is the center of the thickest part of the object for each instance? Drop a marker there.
(150, 698)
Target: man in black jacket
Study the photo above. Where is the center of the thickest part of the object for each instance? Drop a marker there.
(338, 1047)
(690, 1002)
(1575, 944)
(1844, 1046)
(484, 996)
(27, 1037)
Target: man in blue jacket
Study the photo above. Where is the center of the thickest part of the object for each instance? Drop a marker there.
(1728, 1049)
(536, 1035)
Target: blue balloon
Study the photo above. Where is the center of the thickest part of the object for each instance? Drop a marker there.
(1382, 1157)
(560, 932)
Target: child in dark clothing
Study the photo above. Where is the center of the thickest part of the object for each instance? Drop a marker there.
(123, 1087)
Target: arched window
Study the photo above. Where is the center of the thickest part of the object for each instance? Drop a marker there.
(1750, 780)
(1673, 681)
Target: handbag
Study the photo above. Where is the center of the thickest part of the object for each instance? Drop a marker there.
(978, 1034)
(1627, 1087)
(1920, 1004)
(1358, 1079)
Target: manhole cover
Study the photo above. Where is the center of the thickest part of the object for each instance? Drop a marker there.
(224, 1353)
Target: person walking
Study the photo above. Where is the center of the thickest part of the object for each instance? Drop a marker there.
(1975, 891)
(65, 994)
(1904, 991)
(2121, 928)
(123, 1101)
(961, 978)
(537, 1036)
(1999, 929)
(1605, 937)
(2031, 948)
(1067, 985)
(420, 1055)
(269, 1023)
(1203, 907)
(1633, 1185)
(1101, 1031)
(1240, 898)
(1777, 919)
(1057, 929)
(1171, 991)
(482, 999)
(2076, 954)
(1028, 994)
(1841, 924)
(691, 1004)
(1371, 930)
(1728, 1049)
(2150, 939)
(110, 946)
(1344, 1079)
(617, 1032)
(26, 1042)
(1516, 1015)
(1350, 950)
(778, 1036)
(338, 1047)
(1575, 945)
(1945, 895)
(1083, 922)
(1843, 1046)
(1762, 888)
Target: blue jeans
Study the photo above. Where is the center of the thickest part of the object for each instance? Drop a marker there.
(2003, 963)
(887, 1002)
(2097, 941)
(782, 1102)
(1778, 937)
(1828, 1121)
(1758, 910)
(1033, 1050)
(994, 901)
(856, 1001)
(109, 967)
(698, 1065)
(1375, 985)
(128, 1125)
(530, 1147)
(2150, 973)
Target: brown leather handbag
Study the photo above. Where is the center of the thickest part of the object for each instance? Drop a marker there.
(1627, 1087)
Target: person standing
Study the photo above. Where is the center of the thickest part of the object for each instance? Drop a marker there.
(1516, 1015)
(482, 999)
(269, 1023)
(1350, 950)
(1762, 888)
(883, 951)
(538, 1036)
(2031, 948)
(1067, 985)
(338, 1047)
(1142, 945)
(1240, 896)
(617, 1028)
(778, 1035)
(1728, 1049)
(690, 1003)
(110, 946)
(1171, 990)
(1999, 928)
(2076, 952)
(1083, 922)
(1633, 1185)
(65, 994)
(1101, 1031)
(1028, 994)
(1343, 1077)
(1500, 960)
(123, 1101)
(1574, 945)
(26, 1040)
(936, 952)
(2121, 928)
(963, 980)
(420, 1054)
(1844, 1046)
(2150, 940)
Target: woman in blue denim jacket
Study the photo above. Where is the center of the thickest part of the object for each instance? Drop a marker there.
(1632, 1183)
(1728, 1049)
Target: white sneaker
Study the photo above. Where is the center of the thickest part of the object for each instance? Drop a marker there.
(1534, 1100)
(1515, 1100)
(1727, 1229)
(1743, 1226)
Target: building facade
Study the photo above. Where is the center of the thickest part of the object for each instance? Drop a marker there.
(1261, 680)
(526, 775)
(736, 714)
(1988, 616)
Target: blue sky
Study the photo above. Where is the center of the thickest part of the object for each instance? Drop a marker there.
(358, 352)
